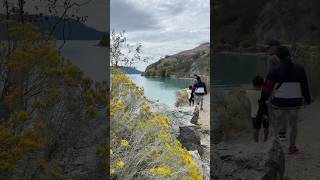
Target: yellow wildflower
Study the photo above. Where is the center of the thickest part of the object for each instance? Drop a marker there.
(124, 143)
(120, 164)
(153, 171)
(112, 171)
(188, 159)
(23, 115)
(165, 171)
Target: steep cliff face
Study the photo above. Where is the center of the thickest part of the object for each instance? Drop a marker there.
(183, 64)
(250, 22)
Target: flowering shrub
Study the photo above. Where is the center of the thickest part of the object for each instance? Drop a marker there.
(45, 102)
(142, 146)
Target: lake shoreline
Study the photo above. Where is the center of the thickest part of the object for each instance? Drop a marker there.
(167, 77)
(162, 89)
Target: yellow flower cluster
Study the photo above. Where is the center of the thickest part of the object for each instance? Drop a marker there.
(163, 121)
(23, 115)
(120, 164)
(161, 171)
(145, 109)
(147, 134)
(124, 143)
(116, 107)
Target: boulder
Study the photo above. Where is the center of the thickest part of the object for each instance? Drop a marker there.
(195, 117)
(259, 161)
(203, 166)
(179, 116)
(190, 139)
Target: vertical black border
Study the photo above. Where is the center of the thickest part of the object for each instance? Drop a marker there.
(108, 99)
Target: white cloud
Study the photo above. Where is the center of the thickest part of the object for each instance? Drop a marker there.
(165, 26)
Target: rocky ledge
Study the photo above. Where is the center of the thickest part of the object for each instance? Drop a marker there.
(185, 129)
(258, 161)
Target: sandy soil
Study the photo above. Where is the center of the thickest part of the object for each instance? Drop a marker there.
(306, 166)
(204, 116)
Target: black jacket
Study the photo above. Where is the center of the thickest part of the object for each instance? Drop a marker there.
(200, 88)
(287, 84)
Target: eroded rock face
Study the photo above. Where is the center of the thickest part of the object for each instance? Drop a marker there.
(182, 122)
(190, 139)
(264, 161)
(184, 128)
(180, 116)
(195, 117)
(204, 167)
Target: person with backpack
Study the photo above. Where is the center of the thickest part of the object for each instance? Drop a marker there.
(199, 89)
(287, 87)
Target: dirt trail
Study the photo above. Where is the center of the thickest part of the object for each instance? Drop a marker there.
(204, 116)
(306, 166)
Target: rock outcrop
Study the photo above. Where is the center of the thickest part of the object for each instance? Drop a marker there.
(259, 161)
(190, 138)
(187, 133)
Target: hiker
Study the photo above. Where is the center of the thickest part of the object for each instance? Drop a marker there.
(254, 96)
(199, 89)
(190, 96)
(287, 87)
(273, 61)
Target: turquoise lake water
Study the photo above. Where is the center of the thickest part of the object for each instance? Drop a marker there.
(229, 70)
(162, 89)
(92, 59)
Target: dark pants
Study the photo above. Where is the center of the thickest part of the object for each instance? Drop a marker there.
(257, 123)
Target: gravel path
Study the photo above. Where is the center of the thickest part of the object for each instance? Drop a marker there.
(204, 116)
(306, 166)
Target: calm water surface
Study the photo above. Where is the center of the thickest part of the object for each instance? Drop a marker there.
(234, 69)
(92, 59)
(89, 57)
(162, 89)
(229, 70)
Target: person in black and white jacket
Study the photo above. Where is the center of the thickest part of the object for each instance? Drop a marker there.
(287, 86)
(199, 89)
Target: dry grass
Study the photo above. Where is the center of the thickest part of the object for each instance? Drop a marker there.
(142, 146)
(234, 113)
(182, 98)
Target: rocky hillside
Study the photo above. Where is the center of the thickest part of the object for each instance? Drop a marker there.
(130, 70)
(238, 24)
(73, 29)
(183, 64)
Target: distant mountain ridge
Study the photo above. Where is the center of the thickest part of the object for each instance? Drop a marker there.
(130, 70)
(183, 64)
(73, 30)
(238, 24)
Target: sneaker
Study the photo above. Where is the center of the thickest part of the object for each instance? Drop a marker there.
(282, 138)
(293, 150)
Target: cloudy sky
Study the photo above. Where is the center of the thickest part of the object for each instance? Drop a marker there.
(164, 27)
(96, 10)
